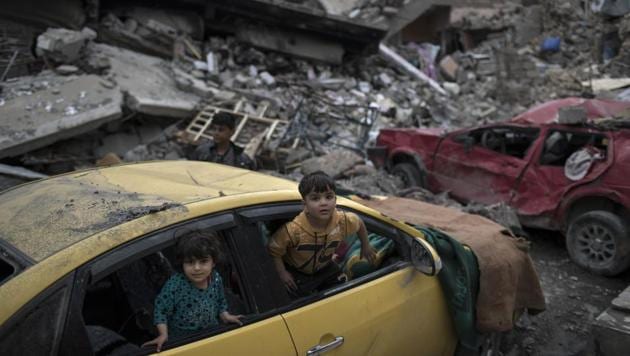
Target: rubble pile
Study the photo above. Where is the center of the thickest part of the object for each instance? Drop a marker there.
(375, 11)
(619, 66)
(508, 57)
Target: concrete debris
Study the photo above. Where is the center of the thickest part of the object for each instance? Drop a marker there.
(490, 67)
(66, 69)
(393, 56)
(150, 34)
(63, 45)
(47, 108)
(295, 43)
(606, 84)
(334, 164)
(338, 7)
(500, 213)
(148, 83)
(611, 7)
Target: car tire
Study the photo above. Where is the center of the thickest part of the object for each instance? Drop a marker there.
(410, 175)
(598, 241)
(107, 342)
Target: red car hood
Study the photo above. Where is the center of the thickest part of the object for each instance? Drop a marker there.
(547, 113)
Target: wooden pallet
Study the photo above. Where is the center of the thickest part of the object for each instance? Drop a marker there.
(199, 126)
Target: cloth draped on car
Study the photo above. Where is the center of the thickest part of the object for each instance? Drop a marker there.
(508, 281)
(460, 281)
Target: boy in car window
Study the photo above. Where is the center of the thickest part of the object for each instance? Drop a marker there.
(303, 248)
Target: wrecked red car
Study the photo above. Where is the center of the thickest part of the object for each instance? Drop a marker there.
(573, 178)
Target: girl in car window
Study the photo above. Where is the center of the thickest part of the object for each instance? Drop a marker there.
(192, 300)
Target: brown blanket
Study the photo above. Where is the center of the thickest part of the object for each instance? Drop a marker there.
(508, 282)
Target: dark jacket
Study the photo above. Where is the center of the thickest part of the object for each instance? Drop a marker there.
(234, 156)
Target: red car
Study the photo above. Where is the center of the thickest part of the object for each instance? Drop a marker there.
(573, 178)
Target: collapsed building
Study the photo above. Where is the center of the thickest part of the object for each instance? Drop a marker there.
(83, 81)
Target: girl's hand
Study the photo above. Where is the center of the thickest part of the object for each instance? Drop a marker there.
(368, 253)
(229, 318)
(158, 341)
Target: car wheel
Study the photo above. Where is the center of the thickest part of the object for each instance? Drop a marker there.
(598, 241)
(410, 175)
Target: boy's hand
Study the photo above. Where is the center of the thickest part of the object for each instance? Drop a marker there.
(368, 253)
(234, 319)
(288, 281)
(158, 341)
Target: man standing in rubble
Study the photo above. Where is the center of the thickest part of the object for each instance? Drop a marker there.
(222, 149)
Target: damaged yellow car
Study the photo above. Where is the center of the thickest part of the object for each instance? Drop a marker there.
(83, 256)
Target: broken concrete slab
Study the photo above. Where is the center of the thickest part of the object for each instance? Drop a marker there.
(334, 164)
(63, 45)
(353, 35)
(612, 327)
(35, 118)
(148, 86)
(603, 84)
(338, 7)
(295, 43)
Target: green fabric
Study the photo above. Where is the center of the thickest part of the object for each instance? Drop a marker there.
(354, 266)
(460, 282)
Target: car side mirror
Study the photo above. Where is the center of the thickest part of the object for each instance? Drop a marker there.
(424, 257)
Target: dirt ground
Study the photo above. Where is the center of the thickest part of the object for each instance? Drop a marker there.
(574, 298)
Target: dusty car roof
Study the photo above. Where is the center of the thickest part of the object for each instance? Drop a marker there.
(546, 113)
(46, 216)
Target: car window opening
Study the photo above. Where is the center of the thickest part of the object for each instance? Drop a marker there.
(121, 305)
(389, 251)
(560, 145)
(6, 270)
(510, 141)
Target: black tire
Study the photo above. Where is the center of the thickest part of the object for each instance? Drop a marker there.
(410, 175)
(598, 241)
(108, 342)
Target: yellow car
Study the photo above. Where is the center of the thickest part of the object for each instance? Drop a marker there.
(83, 256)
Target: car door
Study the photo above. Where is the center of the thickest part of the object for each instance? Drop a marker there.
(118, 284)
(483, 165)
(544, 183)
(394, 310)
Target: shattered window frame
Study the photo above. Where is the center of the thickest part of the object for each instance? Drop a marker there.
(600, 140)
(525, 135)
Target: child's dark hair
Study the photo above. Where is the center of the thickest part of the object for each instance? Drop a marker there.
(198, 245)
(224, 119)
(318, 182)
